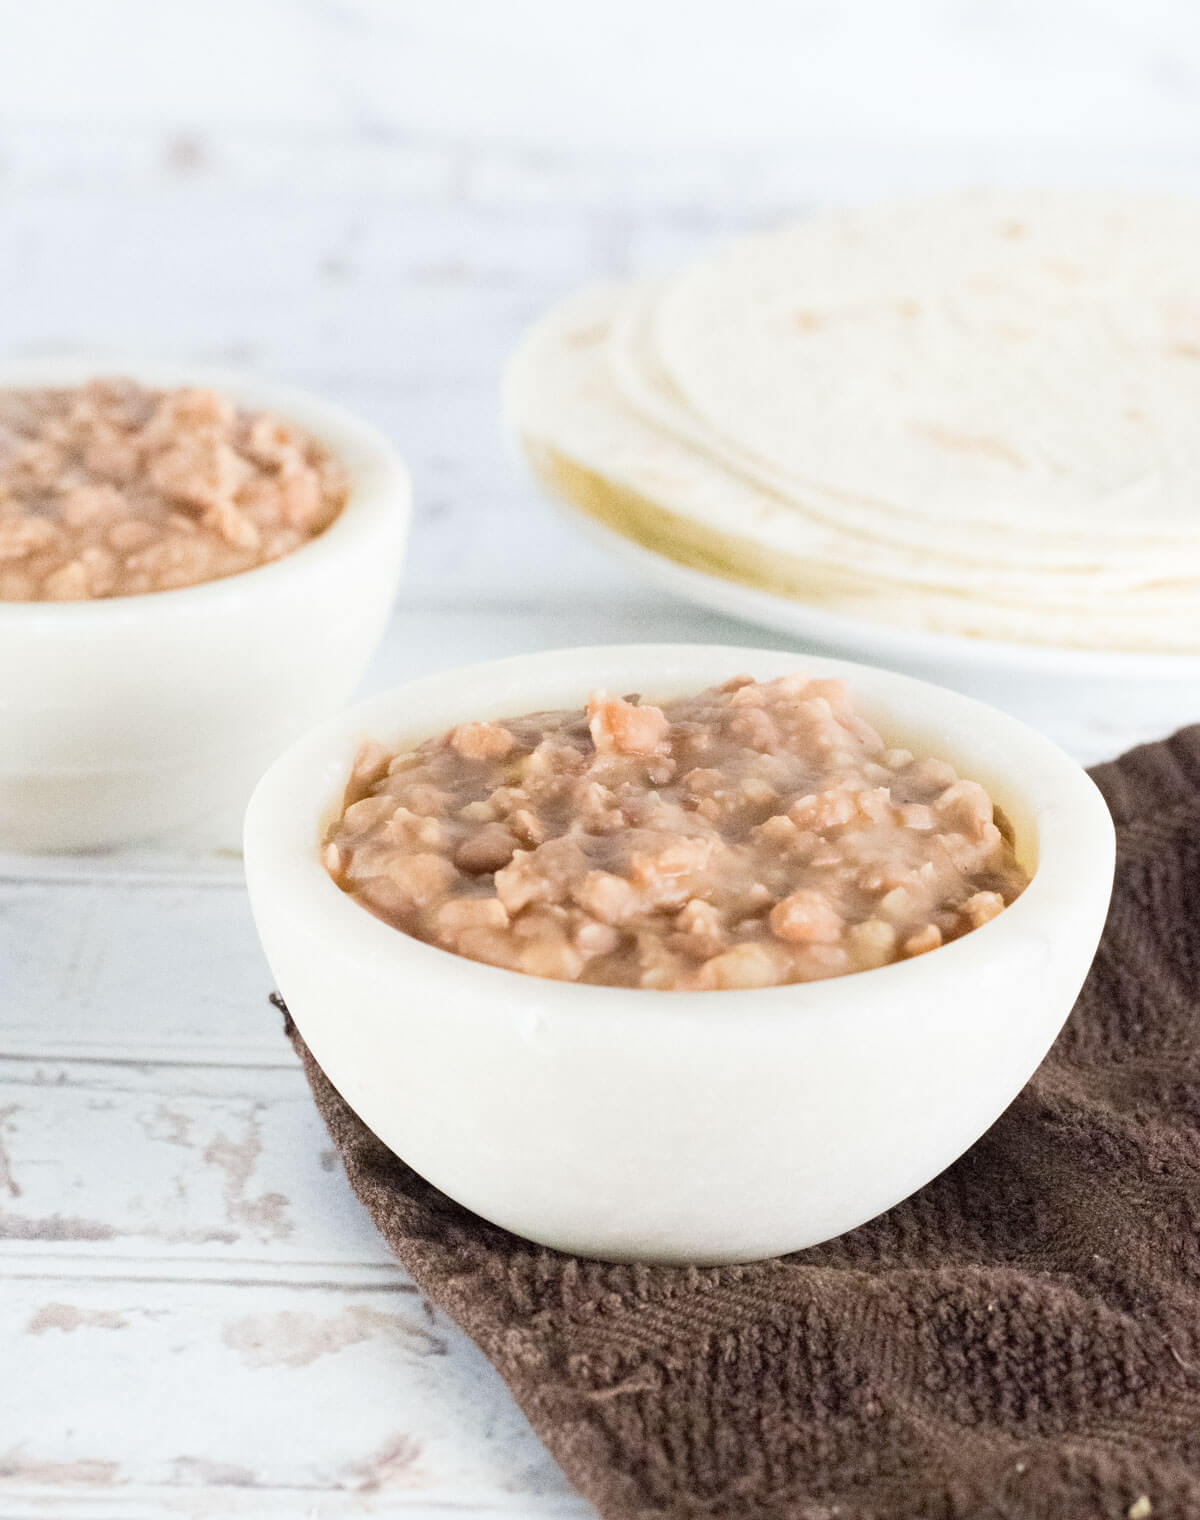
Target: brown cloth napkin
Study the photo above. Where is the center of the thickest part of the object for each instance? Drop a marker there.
(1021, 1338)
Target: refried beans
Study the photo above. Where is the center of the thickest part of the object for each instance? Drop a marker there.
(110, 489)
(756, 834)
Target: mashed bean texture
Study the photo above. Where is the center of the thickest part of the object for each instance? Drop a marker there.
(756, 834)
(110, 489)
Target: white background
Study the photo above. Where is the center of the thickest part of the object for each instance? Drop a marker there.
(372, 199)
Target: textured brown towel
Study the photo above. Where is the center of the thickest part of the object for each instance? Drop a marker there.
(1022, 1338)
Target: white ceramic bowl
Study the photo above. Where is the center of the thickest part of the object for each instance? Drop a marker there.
(123, 717)
(705, 1127)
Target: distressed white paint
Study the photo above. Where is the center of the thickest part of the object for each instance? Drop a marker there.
(372, 197)
(322, 1395)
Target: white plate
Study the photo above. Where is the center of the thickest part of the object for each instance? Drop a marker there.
(1095, 703)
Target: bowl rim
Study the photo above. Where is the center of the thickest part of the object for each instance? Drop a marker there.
(1075, 836)
(380, 497)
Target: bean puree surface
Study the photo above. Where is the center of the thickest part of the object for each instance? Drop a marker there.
(110, 489)
(756, 834)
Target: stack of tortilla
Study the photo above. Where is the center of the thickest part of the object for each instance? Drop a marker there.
(975, 415)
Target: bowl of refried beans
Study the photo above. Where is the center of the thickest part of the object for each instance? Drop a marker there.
(678, 953)
(195, 567)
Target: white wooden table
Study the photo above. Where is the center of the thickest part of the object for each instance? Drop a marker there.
(196, 1318)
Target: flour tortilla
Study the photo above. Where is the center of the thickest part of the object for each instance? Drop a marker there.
(952, 553)
(596, 451)
(1013, 373)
